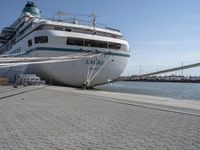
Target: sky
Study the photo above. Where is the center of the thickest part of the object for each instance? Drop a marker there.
(162, 33)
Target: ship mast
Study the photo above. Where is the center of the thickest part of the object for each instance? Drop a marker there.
(93, 16)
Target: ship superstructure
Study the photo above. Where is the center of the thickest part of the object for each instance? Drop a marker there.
(32, 36)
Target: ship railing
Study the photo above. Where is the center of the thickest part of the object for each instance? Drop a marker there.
(84, 22)
(1, 47)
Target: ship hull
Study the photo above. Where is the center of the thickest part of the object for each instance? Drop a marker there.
(96, 70)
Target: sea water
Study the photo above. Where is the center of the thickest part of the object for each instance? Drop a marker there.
(181, 91)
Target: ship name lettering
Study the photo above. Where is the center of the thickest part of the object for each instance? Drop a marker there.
(93, 62)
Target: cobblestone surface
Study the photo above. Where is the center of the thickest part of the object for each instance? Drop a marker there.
(49, 119)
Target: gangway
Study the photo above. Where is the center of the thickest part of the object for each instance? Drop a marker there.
(168, 70)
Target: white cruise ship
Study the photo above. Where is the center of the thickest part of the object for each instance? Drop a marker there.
(32, 36)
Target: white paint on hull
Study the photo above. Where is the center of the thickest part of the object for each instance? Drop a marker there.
(75, 72)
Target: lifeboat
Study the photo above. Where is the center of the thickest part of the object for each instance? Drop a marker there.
(7, 34)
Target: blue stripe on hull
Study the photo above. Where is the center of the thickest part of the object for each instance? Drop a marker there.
(74, 50)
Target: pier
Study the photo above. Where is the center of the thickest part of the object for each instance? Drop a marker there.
(52, 117)
(152, 76)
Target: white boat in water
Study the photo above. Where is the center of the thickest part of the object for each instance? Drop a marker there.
(104, 49)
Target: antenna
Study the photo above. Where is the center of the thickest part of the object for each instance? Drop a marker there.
(93, 16)
(60, 14)
(94, 19)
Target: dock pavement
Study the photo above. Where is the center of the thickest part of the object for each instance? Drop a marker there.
(62, 118)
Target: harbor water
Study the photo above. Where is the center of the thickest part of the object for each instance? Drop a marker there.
(181, 91)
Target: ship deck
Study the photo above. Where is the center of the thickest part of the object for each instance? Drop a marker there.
(51, 117)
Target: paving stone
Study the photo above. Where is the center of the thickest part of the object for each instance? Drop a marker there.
(52, 119)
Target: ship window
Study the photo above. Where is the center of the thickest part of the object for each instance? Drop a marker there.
(29, 43)
(67, 29)
(114, 46)
(92, 43)
(58, 28)
(45, 27)
(101, 44)
(41, 39)
(88, 43)
(75, 41)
